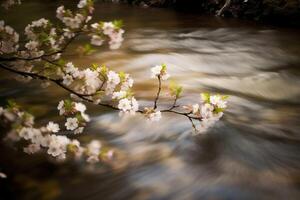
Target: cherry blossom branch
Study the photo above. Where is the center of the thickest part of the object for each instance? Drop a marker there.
(84, 96)
(57, 82)
(116, 85)
(190, 115)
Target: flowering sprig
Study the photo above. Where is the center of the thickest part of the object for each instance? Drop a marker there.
(46, 137)
(209, 109)
(111, 31)
(160, 71)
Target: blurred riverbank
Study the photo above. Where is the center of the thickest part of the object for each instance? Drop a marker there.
(279, 12)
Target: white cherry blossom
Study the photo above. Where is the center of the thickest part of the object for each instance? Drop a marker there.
(108, 28)
(218, 101)
(93, 159)
(68, 80)
(26, 133)
(52, 127)
(134, 105)
(32, 148)
(96, 40)
(155, 116)
(82, 3)
(124, 105)
(31, 45)
(113, 78)
(54, 149)
(85, 117)
(2, 175)
(80, 107)
(165, 76)
(71, 124)
(195, 109)
(156, 71)
(119, 95)
(79, 130)
(206, 111)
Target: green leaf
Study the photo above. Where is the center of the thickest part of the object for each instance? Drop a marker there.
(218, 110)
(68, 13)
(79, 117)
(101, 24)
(88, 49)
(104, 70)
(164, 67)
(178, 91)
(99, 93)
(90, 3)
(68, 104)
(44, 37)
(118, 23)
(94, 67)
(61, 62)
(224, 97)
(129, 93)
(12, 104)
(175, 89)
(206, 97)
(122, 76)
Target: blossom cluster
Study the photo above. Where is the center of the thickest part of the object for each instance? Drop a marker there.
(76, 20)
(45, 39)
(9, 39)
(41, 37)
(209, 110)
(9, 3)
(160, 71)
(75, 114)
(152, 115)
(98, 82)
(110, 30)
(47, 138)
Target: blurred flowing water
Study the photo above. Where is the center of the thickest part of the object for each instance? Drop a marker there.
(252, 153)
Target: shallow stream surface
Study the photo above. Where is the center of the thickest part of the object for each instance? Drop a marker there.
(253, 152)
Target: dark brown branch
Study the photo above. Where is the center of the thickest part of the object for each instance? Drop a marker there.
(44, 78)
(192, 122)
(174, 104)
(57, 82)
(158, 92)
(51, 62)
(225, 6)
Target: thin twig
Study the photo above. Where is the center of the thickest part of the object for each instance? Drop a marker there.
(158, 92)
(174, 104)
(45, 55)
(191, 120)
